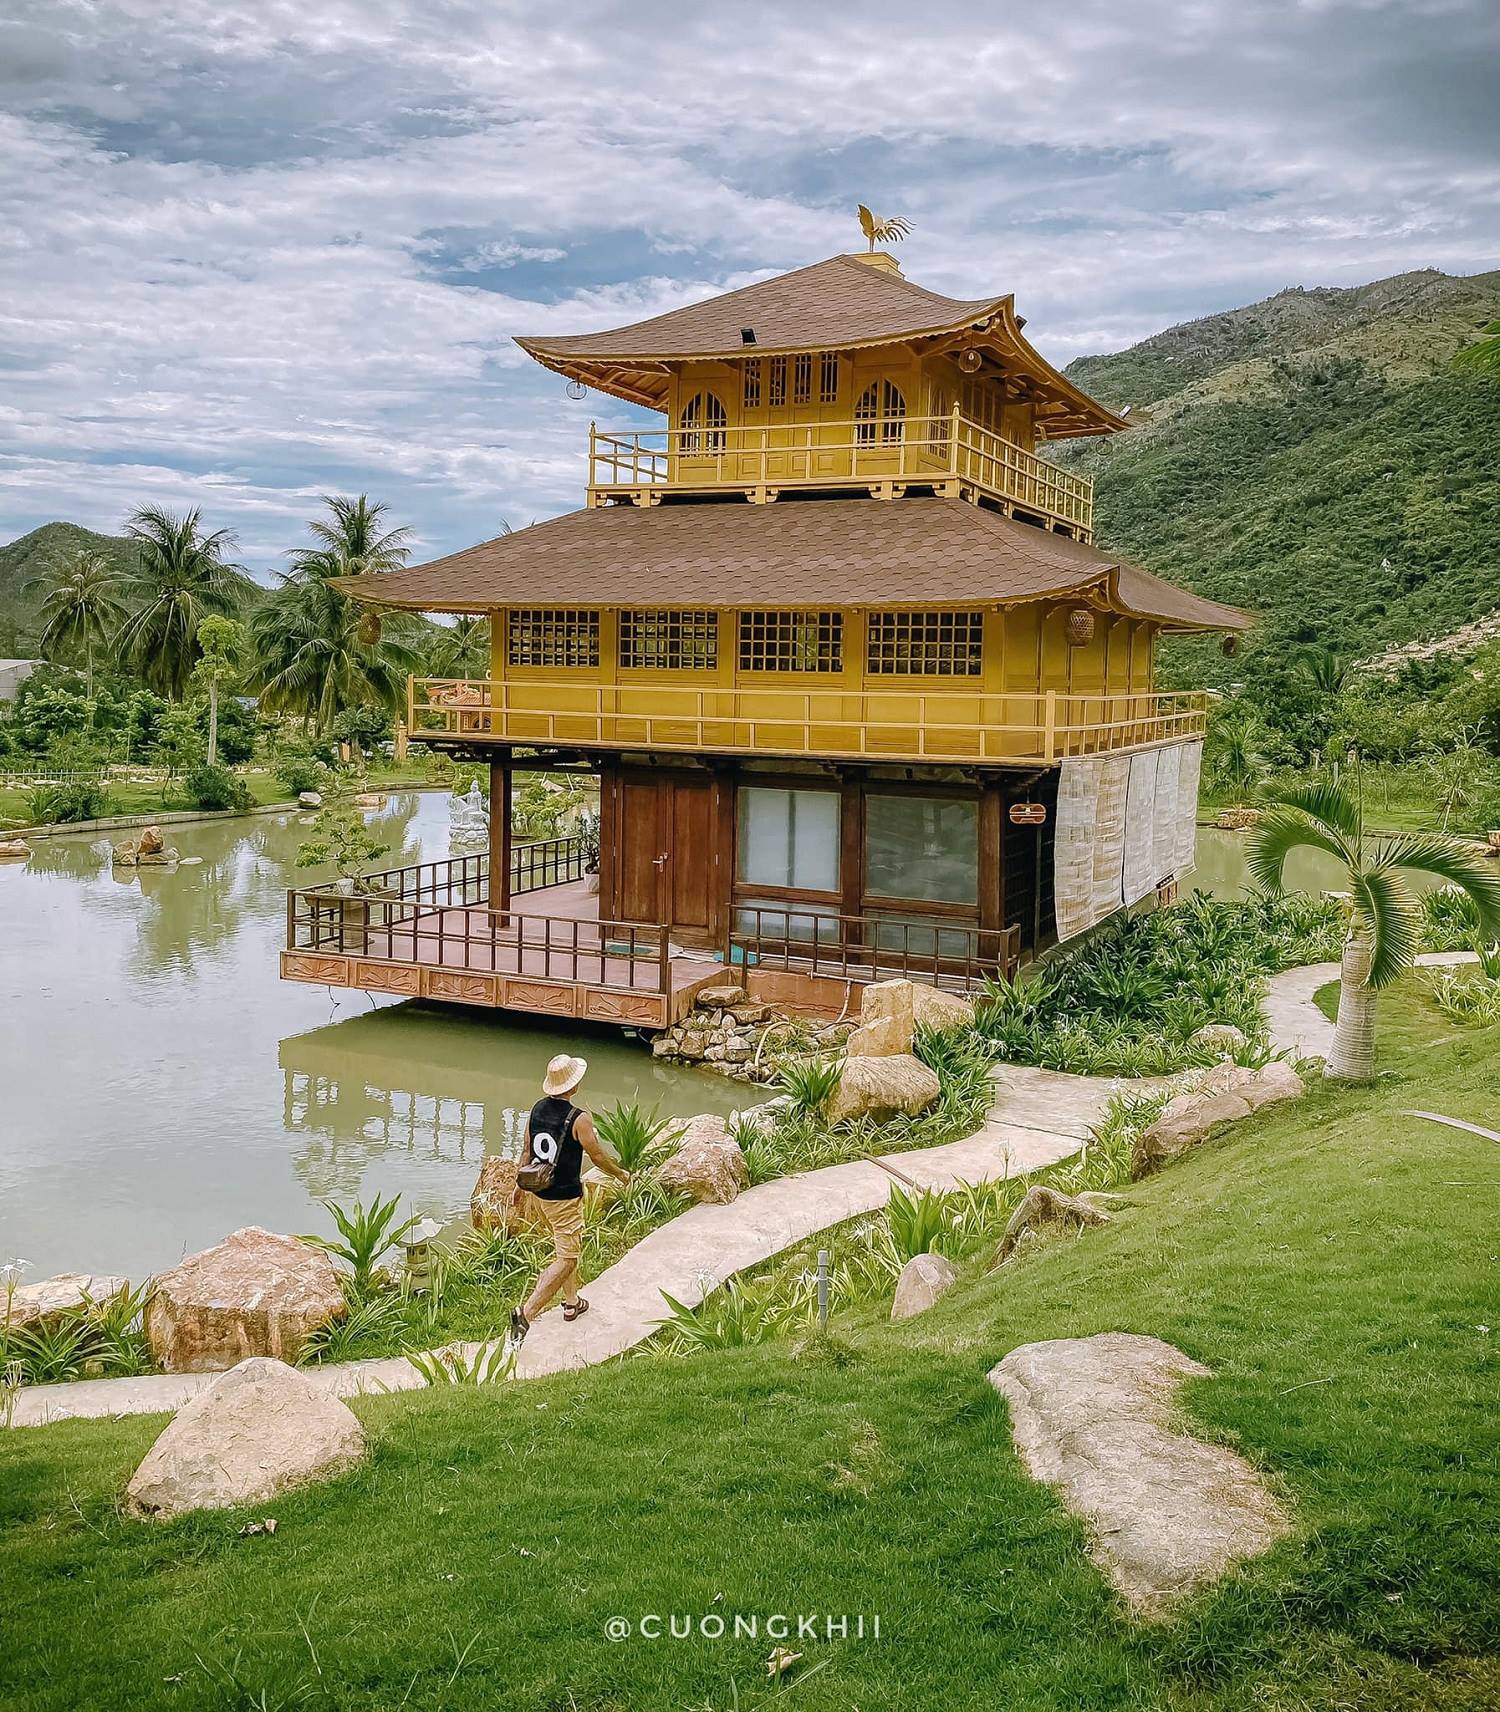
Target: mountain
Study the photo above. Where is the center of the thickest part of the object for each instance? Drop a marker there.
(1317, 457)
(31, 556)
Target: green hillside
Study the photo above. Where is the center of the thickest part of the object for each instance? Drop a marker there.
(30, 557)
(1316, 457)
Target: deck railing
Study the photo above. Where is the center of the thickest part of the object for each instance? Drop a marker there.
(436, 914)
(872, 947)
(893, 725)
(946, 451)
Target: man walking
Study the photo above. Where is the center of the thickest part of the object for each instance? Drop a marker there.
(558, 1134)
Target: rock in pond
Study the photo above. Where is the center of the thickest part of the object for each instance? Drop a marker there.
(14, 849)
(260, 1430)
(1096, 1417)
(255, 1293)
(882, 1087)
(46, 1303)
(891, 1012)
(310, 799)
(923, 1279)
(708, 1163)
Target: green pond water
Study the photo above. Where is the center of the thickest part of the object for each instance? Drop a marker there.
(161, 1086)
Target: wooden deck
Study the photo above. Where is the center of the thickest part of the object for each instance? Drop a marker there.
(552, 956)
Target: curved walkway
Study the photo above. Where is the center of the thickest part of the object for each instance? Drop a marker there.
(1294, 1020)
(1040, 1117)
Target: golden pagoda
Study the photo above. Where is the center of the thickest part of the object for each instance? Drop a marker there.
(861, 695)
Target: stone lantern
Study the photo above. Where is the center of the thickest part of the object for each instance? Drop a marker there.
(416, 1245)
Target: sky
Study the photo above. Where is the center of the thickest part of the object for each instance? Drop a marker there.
(251, 253)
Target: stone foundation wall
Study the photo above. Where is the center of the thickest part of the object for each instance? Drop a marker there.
(730, 1032)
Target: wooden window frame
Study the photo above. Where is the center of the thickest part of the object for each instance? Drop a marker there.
(703, 425)
(767, 637)
(673, 633)
(829, 379)
(880, 415)
(552, 638)
(776, 384)
(802, 378)
(925, 643)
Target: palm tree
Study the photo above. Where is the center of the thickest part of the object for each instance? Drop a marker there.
(183, 577)
(1325, 668)
(315, 655)
(81, 607)
(460, 649)
(1384, 922)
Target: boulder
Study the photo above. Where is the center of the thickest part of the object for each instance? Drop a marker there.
(259, 1431)
(1096, 1418)
(891, 1012)
(310, 799)
(722, 996)
(763, 1118)
(882, 1087)
(1219, 1037)
(692, 1046)
(157, 858)
(923, 1279)
(126, 853)
(370, 799)
(1185, 1121)
(255, 1293)
(493, 1205)
(708, 1163)
(14, 849)
(1267, 1086)
(1043, 1206)
(46, 1303)
(150, 842)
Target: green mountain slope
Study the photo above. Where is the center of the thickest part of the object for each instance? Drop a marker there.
(31, 556)
(1315, 457)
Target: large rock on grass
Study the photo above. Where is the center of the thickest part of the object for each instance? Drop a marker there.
(708, 1163)
(48, 1302)
(259, 1431)
(923, 1279)
(255, 1293)
(891, 1012)
(883, 1088)
(1096, 1417)
(495, 1204)
(1226, 1094)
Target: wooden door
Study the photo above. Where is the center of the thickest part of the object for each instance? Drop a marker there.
(668, 868)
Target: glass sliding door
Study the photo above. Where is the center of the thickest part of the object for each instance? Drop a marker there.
(922, 851)
(787, 862)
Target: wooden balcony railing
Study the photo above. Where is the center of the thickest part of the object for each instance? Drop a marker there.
(948, 453)
(891, 725)
(812, 941)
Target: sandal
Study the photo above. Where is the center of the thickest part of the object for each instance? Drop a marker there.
(572, 1310)
(519, 1326)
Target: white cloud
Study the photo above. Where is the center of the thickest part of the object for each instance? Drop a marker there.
(253, 247)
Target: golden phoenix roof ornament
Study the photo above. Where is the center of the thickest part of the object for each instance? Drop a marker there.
(882, 231)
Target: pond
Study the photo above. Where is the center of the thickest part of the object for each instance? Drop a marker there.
(161, 1086)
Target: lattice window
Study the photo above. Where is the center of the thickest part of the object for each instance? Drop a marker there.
(939, 407)
(552, 636)
(666, 639)
(704, 420)
(752, 383)
(785, 640)
(880, 414)
(925, 644)
(828, 378)
(776, 391)
(802, 366)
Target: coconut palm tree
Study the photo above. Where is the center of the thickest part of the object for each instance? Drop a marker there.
(460, 649)
(1384, 921)
(315, 655)
(184, 576)
(81, 607)
(1325, 668)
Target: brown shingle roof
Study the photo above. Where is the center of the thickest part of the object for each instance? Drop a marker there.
(797, 552)
(838, 302)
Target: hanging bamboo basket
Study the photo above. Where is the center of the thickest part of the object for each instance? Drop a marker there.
(369, 629)
(1080, 626)
(1229, 646)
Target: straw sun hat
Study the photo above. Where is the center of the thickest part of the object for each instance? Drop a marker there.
(564, 1074)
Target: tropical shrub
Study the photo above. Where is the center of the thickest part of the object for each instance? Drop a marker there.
(917, 1223)
(809, 1082)
(732, 1316)
(80, 799)
(299, 772)
(214, 787)
(99, 1340)
(366, 1233)
(631, 1134)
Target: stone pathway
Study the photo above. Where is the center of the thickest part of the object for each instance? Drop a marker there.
(1040, 1117)
(1296, 1023)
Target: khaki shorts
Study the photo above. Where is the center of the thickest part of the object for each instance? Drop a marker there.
(565, 1220)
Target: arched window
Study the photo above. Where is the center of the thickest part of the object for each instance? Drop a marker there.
(704, 420)
(880, 414)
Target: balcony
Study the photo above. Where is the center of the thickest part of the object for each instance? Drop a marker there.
(884, 456)
(938, 726)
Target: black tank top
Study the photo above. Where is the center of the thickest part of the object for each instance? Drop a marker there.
(553, 1122)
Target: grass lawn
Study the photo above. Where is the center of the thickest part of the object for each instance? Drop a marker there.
(128, 799)
(1332, 1262)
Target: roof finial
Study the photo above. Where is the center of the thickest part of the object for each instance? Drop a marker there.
(881, 231)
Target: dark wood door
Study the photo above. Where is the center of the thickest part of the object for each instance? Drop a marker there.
(668, 870)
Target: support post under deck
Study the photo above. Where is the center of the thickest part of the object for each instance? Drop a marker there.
(500, 805)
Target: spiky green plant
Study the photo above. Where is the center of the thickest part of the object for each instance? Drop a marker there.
(730, 1317)
(365, 1234)
(810, 1082)
(630, 1133)
(917, 1222)
(489, 1364)
(1384, 919)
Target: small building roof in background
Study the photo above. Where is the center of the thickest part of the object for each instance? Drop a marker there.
(912, 552)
